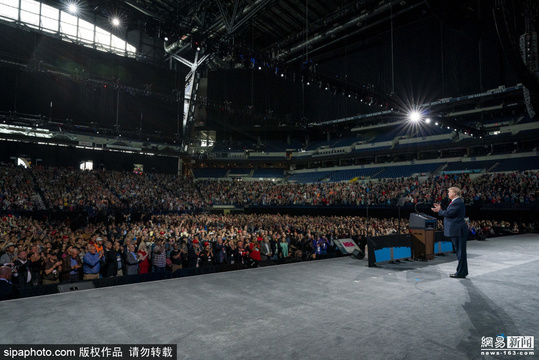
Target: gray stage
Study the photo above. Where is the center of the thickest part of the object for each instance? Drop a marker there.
(327, 309)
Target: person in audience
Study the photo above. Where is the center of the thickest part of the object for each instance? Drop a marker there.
(91, 263)
(283, 245)
(8, 290)
(52, 268)
(265, 249)
(220, 252)
(9, 254)
(254, 252)
(23, 271)
(120, 263)
(37, 259)
(159, 256)
(131, 261)
(206, 255)
(176, 257)
(193, 253)
(71, 267)
(143, 257)
(110, 264)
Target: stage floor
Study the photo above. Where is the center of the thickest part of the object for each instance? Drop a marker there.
(328, 309)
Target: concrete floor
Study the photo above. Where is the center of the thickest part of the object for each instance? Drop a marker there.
(329, 309)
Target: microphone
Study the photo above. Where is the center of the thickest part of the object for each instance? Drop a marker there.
(415, 206)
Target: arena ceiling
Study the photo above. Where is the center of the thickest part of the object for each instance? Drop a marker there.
(282, 30)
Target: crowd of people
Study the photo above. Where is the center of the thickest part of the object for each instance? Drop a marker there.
(153, 192)
(48, 252)
(175, 233)
(66, 189)
(18, 190)
(62, 189)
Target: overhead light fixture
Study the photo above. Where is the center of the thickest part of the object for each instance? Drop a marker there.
(73, 8)
(414, 116)
(115, 21)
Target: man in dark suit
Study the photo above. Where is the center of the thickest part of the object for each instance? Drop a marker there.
(455, 228)
(110, 267)
(7, 289)
(131, 261)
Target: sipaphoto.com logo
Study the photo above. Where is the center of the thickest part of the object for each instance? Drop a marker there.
(508, 345)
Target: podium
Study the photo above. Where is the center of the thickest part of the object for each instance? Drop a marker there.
(422, 230)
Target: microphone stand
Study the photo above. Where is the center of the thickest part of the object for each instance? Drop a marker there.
(400, 203)
(415, 206)
(368, 201)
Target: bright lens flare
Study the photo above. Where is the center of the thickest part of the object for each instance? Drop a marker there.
(73, 8)
(414, 116)
(115, 21)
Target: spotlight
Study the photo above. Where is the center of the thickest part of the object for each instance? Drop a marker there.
(308, 83)
(73, 8)
(436, 123)
(427, 120)
(260, 68)
(414, 116)
(166, 38)
(115, 21)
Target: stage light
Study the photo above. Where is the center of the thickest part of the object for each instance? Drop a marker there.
(308, 83)
(73, 8)
(427, 120)
(414, 116)
(436, 123)
(115, 21)
(166, 38)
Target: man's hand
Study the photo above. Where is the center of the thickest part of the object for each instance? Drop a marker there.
(437, 207)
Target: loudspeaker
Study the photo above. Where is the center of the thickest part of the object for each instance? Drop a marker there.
(83, 285)
(358, 254)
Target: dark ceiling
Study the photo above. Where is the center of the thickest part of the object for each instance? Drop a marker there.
(284, 31)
